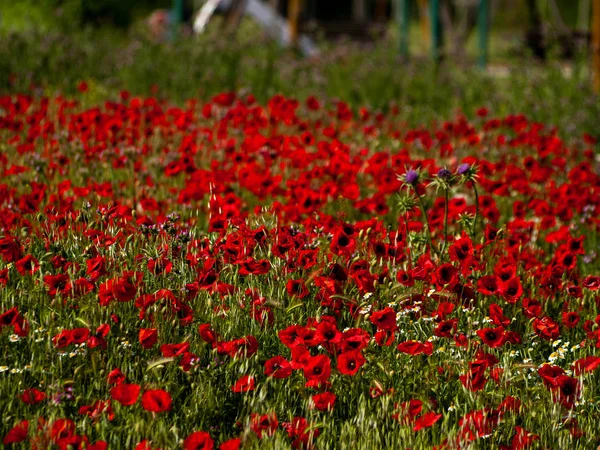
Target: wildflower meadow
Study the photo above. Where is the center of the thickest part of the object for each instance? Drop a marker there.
(238, 273)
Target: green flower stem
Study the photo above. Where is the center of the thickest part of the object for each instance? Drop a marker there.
(443, 252)
(422, 205)
(474, 227)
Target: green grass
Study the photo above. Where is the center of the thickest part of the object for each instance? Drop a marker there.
(369, 74)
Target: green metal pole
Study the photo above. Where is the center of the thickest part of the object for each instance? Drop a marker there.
(484, 24)
(176, 17)
(436, 29)
(403, 18)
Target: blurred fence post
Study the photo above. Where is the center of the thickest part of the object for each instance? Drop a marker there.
(596, 44)
(436, 29)
(176, 17)
(483, 28)
(293, 14)
(403, 19)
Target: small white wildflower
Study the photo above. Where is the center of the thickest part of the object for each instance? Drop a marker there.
(3, 368)
(15, 370)
(14, 338)
(451, 408)
(367, 296)
(556, 343)
(527, 361)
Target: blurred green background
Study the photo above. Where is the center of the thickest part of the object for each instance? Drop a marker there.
(49, 46)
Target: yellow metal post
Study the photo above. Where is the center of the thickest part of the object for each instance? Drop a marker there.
(596, 44)
(293, 15)
(424, 20)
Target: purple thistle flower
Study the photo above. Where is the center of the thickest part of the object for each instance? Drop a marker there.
(411, 177)
(444, 173)
(463, 168)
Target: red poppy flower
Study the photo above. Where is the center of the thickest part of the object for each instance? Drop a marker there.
(244, 384)
(446, 274)
(198, 440)
(156, 400)
(125, 394)
(475, 379)
(278, 367)
(32, 396)
(27, 265)
(586, 364)
(488, 285)
(591, 282)
(426, 420)
(569, 390)
(148, 337)
(116, 377)
(57, 284)
(323, 402)
(549, 375)
(511, 289)
(10, 249)
(415, 348)
(265, 424)
(350, 362)
(207, 334)
(9, 317)
(493, 337)
(17, 434)
(172, 350)
(354, 339)
(546, 328)
(290, 336)
(62, 429)
(446, 328)
(296, 288)
(570, 319)
(231, 444)
(317, 368)
(63, 339)
(523, 438)
(384, 319)
(327, 332)
(79, 335)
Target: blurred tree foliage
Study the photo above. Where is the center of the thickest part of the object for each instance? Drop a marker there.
(72, 14)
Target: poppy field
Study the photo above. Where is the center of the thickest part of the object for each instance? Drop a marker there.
(294, 274)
